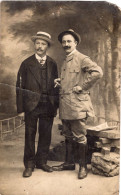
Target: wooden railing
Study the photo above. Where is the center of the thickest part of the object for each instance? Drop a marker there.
(10, 125)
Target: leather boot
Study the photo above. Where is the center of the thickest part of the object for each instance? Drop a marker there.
(82, 161)
(69, 159)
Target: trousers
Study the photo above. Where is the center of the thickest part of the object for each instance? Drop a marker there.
(32, 158)
(75, 129)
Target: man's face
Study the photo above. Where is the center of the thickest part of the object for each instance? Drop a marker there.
(68, 43)
(41, 47)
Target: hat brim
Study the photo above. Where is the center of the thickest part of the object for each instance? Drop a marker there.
(43, 38)
(75, 35)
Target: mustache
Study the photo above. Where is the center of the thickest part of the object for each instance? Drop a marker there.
(39, 49)
(67, 47)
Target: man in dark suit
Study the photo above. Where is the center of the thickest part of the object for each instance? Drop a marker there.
(38, 99)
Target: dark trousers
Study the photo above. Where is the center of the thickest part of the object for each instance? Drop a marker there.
(44, 129)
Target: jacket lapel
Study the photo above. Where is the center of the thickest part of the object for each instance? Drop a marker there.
(49, 72)
(34, 68)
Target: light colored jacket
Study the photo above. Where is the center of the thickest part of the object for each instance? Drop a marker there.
(77, 70)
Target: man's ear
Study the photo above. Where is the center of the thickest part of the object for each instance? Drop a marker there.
(76, 43)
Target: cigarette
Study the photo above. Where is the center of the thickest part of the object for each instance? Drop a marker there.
(55, 85)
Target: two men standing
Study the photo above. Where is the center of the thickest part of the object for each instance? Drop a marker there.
(38, 98)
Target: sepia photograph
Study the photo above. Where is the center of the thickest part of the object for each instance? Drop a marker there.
(60, 97)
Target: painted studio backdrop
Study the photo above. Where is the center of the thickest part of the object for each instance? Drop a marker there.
(98, 24)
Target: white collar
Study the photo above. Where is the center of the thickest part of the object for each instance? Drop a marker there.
(39, 58)
(71, 53)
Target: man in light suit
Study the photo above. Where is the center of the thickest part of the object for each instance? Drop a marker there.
(78, 74)
(38, 99)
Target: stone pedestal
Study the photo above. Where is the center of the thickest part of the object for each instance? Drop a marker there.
(106, 165)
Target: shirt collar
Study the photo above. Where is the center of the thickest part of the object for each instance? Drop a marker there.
(71, 53)
(39, 58)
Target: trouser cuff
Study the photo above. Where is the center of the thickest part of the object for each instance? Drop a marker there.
(29, 164)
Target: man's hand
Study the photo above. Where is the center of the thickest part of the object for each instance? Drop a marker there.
(77, 89)
(57, 82)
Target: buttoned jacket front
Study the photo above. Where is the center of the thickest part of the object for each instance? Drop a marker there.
(29, 86)
(77, 70)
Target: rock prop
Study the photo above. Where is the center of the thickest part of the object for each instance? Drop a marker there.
(105, 164)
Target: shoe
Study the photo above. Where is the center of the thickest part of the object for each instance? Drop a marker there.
(27, 172)
(45, 167)
(82, 173)
(64, 166)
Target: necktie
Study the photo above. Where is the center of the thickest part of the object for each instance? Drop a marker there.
(42, 61)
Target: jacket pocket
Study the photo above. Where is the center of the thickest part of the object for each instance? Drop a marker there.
(74, 69)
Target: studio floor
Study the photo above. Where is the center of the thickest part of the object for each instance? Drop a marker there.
(43, 183)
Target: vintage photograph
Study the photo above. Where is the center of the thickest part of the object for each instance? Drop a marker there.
(60, 97)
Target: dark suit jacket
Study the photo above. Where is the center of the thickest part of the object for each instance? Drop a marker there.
(28, 85)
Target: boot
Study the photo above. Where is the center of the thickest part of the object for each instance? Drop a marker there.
(82, 161)
(69, 159)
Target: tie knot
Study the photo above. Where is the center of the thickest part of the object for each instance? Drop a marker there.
(41, 61)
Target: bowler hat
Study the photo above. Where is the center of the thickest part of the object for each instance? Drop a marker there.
(42, 35)
(71, 32)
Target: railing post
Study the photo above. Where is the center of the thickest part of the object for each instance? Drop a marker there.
(7, 125)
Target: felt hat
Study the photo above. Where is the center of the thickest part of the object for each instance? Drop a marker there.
(71, 32)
